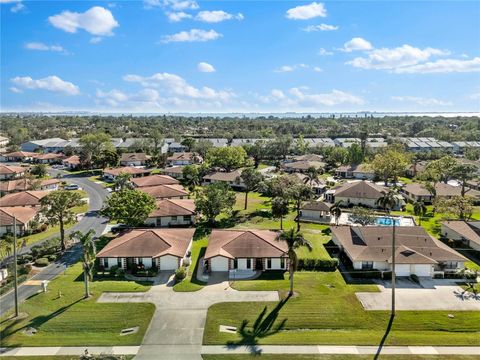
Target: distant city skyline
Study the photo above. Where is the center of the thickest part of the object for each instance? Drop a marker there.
(182, 56)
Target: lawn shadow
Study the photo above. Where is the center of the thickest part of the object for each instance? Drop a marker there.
(384, 338)
(262, 327)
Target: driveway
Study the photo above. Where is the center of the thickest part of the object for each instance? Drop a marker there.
(432, 296)
(176, 329)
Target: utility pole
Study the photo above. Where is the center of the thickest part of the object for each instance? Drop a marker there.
(393, 268)
(15, 264)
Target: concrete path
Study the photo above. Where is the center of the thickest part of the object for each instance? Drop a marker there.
(176, 352)
(176, 329)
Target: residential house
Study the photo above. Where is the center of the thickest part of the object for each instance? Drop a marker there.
(166, 191)
(134, 159)
(474, 184)
(175, 172)
(48, 158)
(172, 213)
(418, 192)
(246, 250)
(47, 145)
(154, 180)
(216, 142)
(232, 178)
(176, 147)
(416, 168)
(362, 193)
(3, 143)
(316, 211)
(13, 186)
(302, 166)
(24, 216)
(24, 198)
(459, 147)
(183, 158)
(318, 186)
(18, 156)
(306, 157)
(71, 162)
(110, 174)
(12, 172)
(163, 249)
(416, 252)
(468, 232)
(359, 172)
(241, 142)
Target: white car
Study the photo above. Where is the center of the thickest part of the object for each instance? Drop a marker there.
(72, 187)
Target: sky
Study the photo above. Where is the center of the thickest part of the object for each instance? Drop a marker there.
(240, 56)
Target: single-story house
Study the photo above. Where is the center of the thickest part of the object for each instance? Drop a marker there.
(232, 178)
(175, 172)
(24, 198)
(318, 186)
(172, 212)
(360, 172)
(154, 180)
(416, 168)
(71, 162)
(316, 211)
(418, 192)
(183, 158)
(474, 184)
(417, 252)
(466, 231)
(11, 172)
(306, 157)
(134, 159)
(302, 166)
(110, 174)
(48, 158)
(164, 249)
(176, 147)
(24, 215)
(246, 250)
(364, 193)
(175, 191)
(19, 156)
(13, 186)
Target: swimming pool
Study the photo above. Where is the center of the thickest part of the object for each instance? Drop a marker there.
(387, 221)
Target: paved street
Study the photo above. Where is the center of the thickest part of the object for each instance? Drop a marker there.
(91, 220)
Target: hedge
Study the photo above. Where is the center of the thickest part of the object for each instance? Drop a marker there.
(42, 262)
(9, 286)
(366, 274)
(317, 264)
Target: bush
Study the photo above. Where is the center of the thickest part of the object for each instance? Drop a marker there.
(186, 262)
(113, 270)
(120, 273)
(366, 274)
(42, 228)
(25, 258)
(387, 275)
(180, 273)
(317, 264)
(27, 268)
(41, 262)
(51, 257)
(414, 278)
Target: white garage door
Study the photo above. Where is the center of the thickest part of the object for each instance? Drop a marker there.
(168, 262)
(402, 270)
(420, 269)
(219, 263)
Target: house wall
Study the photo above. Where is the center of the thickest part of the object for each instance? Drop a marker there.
(165, 221)
(132, 163)
(9, 229)
(356, 201)
(11, 176)
(180, 162)
(276, 264)
(317, 216)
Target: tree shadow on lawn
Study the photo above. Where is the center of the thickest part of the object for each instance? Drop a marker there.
(384, 338)
(262, 327)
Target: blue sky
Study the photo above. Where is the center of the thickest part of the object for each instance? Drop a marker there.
(250, 56)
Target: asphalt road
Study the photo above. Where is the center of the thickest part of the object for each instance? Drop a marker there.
(91, 220)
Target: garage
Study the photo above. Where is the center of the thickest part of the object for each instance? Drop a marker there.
(219, 263)
(168, 262)
(402, 270)
(421, 269)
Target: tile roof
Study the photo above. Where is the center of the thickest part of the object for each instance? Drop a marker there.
(23, 184)
(74, 160)
(134, 157)
(164, 191)
(24, 198)
(190, 156)
(304, 165)
(125, 170)
(360, 189)
(173, 207)
(7, 170)
(317, 206)
(442, 189)
(467, 230)
(224, 176)
(154, 180)
(23, 215)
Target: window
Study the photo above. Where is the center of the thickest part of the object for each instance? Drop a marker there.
(119, 262)
(105, 262)
(174, 218)
(451, 264)
(140, 261)
(249, 263)
(366, 265)
(235, 263)
(186, 218)
(269, 263)
(282, 263)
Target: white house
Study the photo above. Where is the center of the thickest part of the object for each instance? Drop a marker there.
(316, 211)
(172, 213)
(232, 178)
(360, 172)
(110, 174)
(11, 172)
(183, 158)
(24, 215)
(466, 232)
(134, 159)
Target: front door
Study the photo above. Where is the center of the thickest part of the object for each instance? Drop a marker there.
(258, 264)
(129, 263)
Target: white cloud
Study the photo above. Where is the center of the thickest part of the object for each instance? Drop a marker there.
(17, 5)
(50, 83)
(192, 35)
(475, 96)
(387, 59)
(205, 67)
(290, 68)
(285, 68)
(422, 101)
(335, 97)
(305, 12)
(321, 27)
(357, 43)
(96, 20)
(178, 16)
(173, 4)
(317, 69)
(15, 90)
(176, 85)
(277, 94)
(443, 66)
(216, 16)
(95, 40)
(44, 47)
(324, 52)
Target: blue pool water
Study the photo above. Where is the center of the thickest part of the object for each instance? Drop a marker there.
(386, 221)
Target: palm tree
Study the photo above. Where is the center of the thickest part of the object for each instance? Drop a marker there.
(336, 211)
(388, 200)
(89, 252)
(312, 175)
(419, 209)
(294, 241)
(122, 182)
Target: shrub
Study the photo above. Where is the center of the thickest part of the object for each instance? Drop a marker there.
(180, 273)
(51, 257)
(414, 278)
(366, 274)
(317, 264)
(25, 258)
(387, 275)
(41, 262)
(113, 270)
(186, 262)
(120, 273)
(42, 228)
(27, 268)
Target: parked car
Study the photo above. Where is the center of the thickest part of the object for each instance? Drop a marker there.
(72, 187)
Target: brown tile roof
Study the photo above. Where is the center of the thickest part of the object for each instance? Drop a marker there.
(184, 156)
(373, 243)
(23, 215)
(245, 243)
(125, 170)
(74, 160)
(304, 165)
(24, 198)
(173, 207)
(363, 168)
(7, 170)
(20, 154)
(360, 189)
(48, 156)
(164, 191)
(308, 157)
(23, 184)
(173, 170)
(465, 229)
(317, 206)
(224, 176)
(134, 157)
(154, 180)
(442, 189)
(149, 243)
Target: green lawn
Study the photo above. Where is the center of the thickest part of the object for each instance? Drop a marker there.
(326, 311)
(70, 320)
(335, 357)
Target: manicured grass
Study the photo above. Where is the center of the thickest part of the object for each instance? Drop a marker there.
(326, 311)
(71, 320)
(190, 283)
(51, 231)
(335, 357)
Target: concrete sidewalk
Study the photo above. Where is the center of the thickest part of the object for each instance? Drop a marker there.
(157, 350)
